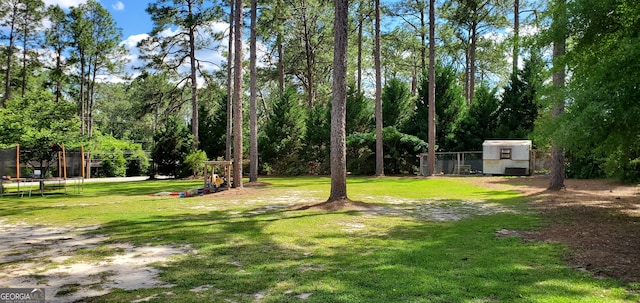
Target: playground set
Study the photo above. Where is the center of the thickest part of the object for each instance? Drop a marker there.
(217, 176)
(21, 173)
(215, 181)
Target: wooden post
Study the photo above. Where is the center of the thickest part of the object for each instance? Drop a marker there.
(228, 174)
(206, 174)
(59, 166)
(18, 163)
(82, 161)
(64, 162)
(88, 166)
(532, 165)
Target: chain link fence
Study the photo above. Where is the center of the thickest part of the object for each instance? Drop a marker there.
(470, 163)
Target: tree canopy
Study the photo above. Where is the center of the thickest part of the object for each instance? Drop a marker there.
(495, 76)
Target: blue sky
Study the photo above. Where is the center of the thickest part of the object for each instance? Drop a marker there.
(131, 17)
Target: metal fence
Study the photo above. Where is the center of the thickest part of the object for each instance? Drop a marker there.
(470, 163)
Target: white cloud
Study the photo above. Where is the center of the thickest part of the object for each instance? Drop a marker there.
(525, 30)
(64, 3)
(169, 32)
(133, 57)
(529, 30)
(219, 27)
(133, 40)
(119, 6)
(212, 58)
(109, 79)
(497, 37)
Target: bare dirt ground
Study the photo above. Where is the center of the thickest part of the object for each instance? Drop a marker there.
(40, 256)
(599, 220)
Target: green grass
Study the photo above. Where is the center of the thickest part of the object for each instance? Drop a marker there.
(94, 254)
(248, 250)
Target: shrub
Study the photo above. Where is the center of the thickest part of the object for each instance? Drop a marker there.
(119, 158)
(172, 144)
(400, 152)
(195, 161)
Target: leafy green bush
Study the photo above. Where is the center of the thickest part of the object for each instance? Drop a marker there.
(195, 162)
(586, 166)
(400, 152)
(172, 145)
(119, 158)
(623, 165)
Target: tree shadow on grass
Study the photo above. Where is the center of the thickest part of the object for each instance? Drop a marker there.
(306, 256)
(137, 188)
(19, 207)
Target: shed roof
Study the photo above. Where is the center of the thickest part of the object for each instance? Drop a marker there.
(507, 143)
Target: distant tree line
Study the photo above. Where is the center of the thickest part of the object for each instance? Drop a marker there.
(56, 86)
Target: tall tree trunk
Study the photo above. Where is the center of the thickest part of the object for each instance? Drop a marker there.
(82, 94)
(84, 98)
(338, 104)
(253, 119)
(310, 59)
(88, 166)
(378, 109)
(281, 76)
(58, 80)
(360, 30)
(227, 154)
(24, 66)
(414, 80)
(516, 35)
(237, 98)
(91, 99)
(423, 38)
(10, 49)
(7, 82)
(467, 71)
(556, 181)
(194, 84)
(431, 152)
(472, 64)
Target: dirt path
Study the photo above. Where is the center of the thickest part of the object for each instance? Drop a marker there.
(599, 220)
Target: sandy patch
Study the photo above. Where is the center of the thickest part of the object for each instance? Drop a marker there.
(51, 258)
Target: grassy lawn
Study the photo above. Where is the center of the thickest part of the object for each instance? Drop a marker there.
(424, 243)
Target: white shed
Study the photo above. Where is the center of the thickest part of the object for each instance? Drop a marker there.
(506, 157)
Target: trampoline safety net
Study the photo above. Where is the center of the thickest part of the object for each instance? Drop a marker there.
(30, 165)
